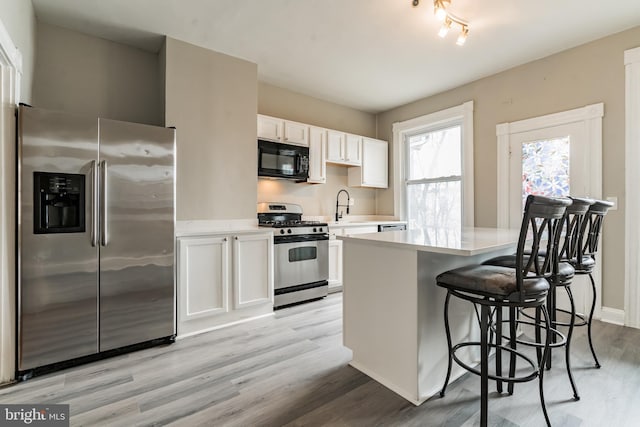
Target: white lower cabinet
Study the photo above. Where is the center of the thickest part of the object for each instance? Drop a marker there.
(223, 279)
(335, 265)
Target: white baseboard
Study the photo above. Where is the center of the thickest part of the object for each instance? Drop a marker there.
(612, 315)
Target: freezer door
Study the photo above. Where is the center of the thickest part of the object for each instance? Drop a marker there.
(58, 264)
(137, 291)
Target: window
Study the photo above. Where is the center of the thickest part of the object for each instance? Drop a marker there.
(545, 168)
(433, 164)
(434, 177)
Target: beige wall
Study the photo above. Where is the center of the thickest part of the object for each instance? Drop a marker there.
(584, 75)
(87, 75)
(19, 20)
(278, 102)
(316, 199)
(211, 99)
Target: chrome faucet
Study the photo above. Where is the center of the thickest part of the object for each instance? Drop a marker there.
(338, 205)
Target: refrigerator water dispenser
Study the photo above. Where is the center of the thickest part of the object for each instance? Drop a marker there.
(58, 203)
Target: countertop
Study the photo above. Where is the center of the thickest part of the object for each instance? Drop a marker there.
(466, 242)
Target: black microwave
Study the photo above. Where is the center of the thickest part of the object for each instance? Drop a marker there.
(287, 161)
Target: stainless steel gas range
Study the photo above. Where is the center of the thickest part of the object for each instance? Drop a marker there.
(301, 253)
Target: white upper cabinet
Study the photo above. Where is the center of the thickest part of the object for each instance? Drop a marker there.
(296, 133)
(374, 169)
(270, 128)
(335, 142)
(317, 165)
(344, 148)
(285, 131)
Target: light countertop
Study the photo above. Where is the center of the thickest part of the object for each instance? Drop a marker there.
(466, 241)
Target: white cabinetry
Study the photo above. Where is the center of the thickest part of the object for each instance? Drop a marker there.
(223, 279)
(317, 164)
(373, 172)
(335, 265)
(280, 130)
(335, 251)
(344, 148)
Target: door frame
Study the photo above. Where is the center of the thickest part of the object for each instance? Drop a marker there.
(10, 74)
(632, 198)
(589, 116)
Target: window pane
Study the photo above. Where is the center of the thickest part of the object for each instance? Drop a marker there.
(436, 204)
(435, 154)
(545, 168)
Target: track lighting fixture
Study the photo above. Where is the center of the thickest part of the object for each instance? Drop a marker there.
(448, 19)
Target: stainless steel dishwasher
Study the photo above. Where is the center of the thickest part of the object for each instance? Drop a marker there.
(392, 227)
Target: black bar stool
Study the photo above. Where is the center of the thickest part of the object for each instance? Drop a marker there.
(571, 228)
(493, 288)
(584, 260)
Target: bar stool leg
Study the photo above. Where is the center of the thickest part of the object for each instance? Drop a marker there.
(498, 350)
(484, 365)
(541, 365)
(567, 353)
(593, 308)
(513, 313)
(448, 333)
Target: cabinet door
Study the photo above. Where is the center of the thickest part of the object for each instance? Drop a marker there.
(335, 144)
(252, 269)
(317, 165)
(269, 128)
(353, 149)
(335, 265)
(374, 163)
(296, 133)
(203, 277)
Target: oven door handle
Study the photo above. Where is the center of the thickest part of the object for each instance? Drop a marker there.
(296, 239)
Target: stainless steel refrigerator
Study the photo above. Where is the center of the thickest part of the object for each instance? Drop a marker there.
(95, 236)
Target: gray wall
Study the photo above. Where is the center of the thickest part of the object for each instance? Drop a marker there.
(584, 75)
(212, 100)
(87, 75)
(316, 199)
(18, 18)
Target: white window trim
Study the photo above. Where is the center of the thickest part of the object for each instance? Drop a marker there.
(632, 198)
(464, 113)
(10, 73)
(591, 115)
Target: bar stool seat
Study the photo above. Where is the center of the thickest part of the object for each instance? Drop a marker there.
(491, 281)
(585, 266)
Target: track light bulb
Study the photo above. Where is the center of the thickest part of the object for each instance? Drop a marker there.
(440, 9)
(462, 38)
(444, 30)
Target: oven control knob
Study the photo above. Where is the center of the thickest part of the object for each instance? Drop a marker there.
(281, 231)
(289, 231)
(314, 229)
(320, 229)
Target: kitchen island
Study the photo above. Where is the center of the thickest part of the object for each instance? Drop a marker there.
(393, 311)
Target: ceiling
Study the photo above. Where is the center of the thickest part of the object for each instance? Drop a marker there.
(371, 55)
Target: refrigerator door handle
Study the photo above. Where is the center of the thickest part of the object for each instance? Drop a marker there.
(104, 239)
(94, 203)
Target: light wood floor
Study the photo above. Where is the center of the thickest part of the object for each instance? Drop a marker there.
(291, 369)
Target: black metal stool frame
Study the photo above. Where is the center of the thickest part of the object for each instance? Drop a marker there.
(542, 216)
(587, 249)
(572, 228)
